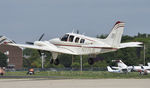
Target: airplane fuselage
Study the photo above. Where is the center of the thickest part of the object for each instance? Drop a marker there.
(82, 45)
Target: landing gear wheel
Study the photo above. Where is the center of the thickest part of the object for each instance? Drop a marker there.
(91, 61)
(51, 61)
(56, 62)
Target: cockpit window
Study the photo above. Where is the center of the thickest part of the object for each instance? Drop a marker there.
(71, 38)
(77, 39)
(65, 37)
(82, 40)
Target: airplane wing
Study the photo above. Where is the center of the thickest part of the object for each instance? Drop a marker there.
(116, 68)
(50, 48)
(130, 44)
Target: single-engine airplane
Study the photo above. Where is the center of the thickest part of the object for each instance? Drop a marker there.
(122, 67)
(77, 44)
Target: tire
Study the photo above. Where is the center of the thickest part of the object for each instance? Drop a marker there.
(56, 62)
(91, 61)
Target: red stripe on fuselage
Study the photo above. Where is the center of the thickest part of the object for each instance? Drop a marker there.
(85, 46)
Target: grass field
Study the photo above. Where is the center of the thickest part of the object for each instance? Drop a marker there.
(81, 75)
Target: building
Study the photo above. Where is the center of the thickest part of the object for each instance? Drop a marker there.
(14, 54)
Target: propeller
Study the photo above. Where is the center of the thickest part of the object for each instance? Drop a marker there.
(41, 37)
(31, 43)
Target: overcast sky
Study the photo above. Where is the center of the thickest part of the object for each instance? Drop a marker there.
(26, 20)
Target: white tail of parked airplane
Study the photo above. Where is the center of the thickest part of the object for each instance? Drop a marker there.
(148, 64)
(120, 64)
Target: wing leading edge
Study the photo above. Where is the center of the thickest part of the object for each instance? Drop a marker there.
(50, 48)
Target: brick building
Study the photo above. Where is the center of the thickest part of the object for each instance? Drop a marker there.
(14, 54)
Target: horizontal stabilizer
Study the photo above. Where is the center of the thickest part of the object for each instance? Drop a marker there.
(130, 44)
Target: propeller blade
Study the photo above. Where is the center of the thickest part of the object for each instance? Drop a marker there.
(41, 37)
(31, 43)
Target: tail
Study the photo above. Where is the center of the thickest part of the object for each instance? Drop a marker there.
(109, 69)
(148, 64)
(114, 38)
(4, 39)
(120, 63)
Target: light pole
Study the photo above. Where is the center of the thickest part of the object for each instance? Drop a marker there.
(144, 54)
(81, 63)
(42, 57)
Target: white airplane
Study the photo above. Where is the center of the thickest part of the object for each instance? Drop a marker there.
(122, 66)
(114, 71)
(77, 44)
(142, 69)
(138, 68)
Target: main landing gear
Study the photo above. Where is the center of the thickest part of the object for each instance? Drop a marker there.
(55, 60)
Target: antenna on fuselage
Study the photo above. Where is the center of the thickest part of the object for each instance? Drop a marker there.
(73, 30)
(77, 31)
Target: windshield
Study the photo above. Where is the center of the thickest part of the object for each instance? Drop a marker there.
(65, 37)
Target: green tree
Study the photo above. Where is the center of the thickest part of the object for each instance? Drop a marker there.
(3, 60)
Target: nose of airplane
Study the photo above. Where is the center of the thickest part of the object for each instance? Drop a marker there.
(55, 40)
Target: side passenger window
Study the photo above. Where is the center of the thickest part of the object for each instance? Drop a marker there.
(71, 38)
(82, 40)
(77, 40)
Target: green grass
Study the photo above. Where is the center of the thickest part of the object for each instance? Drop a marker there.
(82, 75)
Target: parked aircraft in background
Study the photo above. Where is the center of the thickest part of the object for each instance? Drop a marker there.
(142, 69)
(114, 71)
(137, 68)
(122, 66)
(77, 44)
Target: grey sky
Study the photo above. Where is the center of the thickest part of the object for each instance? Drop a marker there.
(26, 20)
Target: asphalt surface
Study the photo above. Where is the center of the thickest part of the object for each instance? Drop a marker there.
(74, 83)
(26, 77)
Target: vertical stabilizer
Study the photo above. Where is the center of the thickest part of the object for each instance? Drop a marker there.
(120, 64)
(114, 38)
(148, 64)
(109, 69)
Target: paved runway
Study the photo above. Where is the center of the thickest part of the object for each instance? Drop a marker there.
(75, 83)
